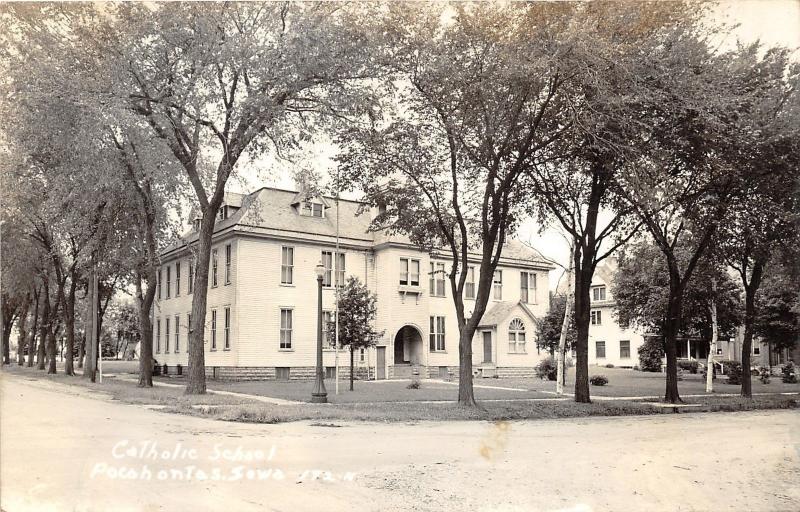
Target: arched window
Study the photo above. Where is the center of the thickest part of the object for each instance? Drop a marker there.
(516, 337)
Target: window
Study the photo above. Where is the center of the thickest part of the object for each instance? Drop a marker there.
(469, 285)
(312, 209)
(228, 264)
(222, 214)
(625, 349)
(166, 336)
(327, 262)
(214, 268)
(177, 332)
(213, 329)
(437, 279)
(282, 373)
(600, 349)
(756, 350)
(497, 285)
(169, 279)
(178, 279)
(329, 328)
(527, 291)
(340, 269)
(158, 336)
(437, 333)
(286, 329)
(287, 265)
(190, 281)
(361, 355)
(227, 328)
(598, 293)
(409, 272)
(188, 324)
(596, 317)
(516, 337)
(158, 285)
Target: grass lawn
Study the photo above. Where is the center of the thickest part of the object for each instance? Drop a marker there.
(392, 401)
(381, 391)
(624, 382)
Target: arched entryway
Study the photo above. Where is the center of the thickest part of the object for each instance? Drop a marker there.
(408, 346)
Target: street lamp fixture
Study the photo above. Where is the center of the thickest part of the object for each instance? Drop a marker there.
(319, 395)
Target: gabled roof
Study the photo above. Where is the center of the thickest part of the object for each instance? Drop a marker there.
(502, 310)
(302, 197)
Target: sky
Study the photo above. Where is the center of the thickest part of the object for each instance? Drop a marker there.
(773, 22)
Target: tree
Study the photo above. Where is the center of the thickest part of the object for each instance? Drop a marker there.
(778, 305)
(460, 116)
(641, 292)
(766, 216)
(686, 174)
(219, 82)
(357, 308)
(550, 328)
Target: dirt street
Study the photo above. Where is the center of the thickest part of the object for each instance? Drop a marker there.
(63, 451)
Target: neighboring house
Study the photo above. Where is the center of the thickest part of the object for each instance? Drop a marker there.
(608, 342)
(261, 319)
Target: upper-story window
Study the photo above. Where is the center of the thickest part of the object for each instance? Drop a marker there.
(497, 285)
(287, 265)
(527, 292)
(178, 279)
(228, 264)
(222, 214)
(598, 293)
(214, 268)
(437, 280)
(329, 276)
(469, 285)
(158, 285)
(169, 280)
(409, 271)
(312, 209)
(596, 317)
(190, 281)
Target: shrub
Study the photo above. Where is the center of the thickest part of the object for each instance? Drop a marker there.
(789, 373)
(734, 372)
(725, 364)
(609, 365)
(690, 366)
(414, 384)
(598, 380)
(547, 369)
(650, 354)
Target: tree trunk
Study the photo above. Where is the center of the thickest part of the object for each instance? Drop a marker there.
(749, 320)
(44, 328)
(561, 375)
(351, 367)
(196, 383)
(90, 366)
(32, 335)
(23, 333)
(583, 283)
(51, 351)
(466, 395)
(7, 326)
(69, 321)
(714, 339)
(145, 304)
(671, 330)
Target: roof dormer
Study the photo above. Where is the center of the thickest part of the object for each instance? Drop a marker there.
(310, 206)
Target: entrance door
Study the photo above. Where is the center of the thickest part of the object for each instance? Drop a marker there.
(487, 346)
(381, 364)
